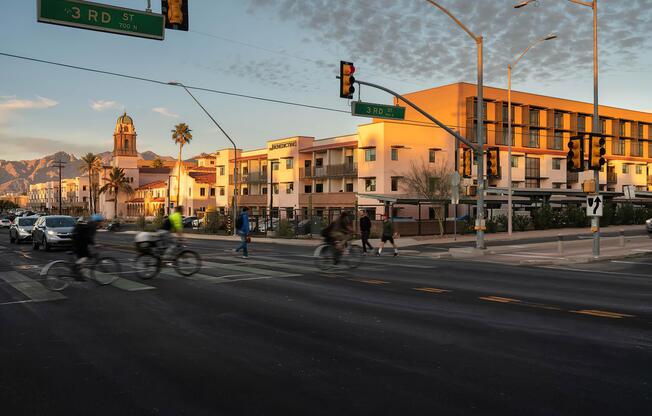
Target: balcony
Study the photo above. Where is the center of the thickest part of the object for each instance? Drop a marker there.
(612, 178)
(256, 200)
(326, 199)
(250, 178)
(330, 171)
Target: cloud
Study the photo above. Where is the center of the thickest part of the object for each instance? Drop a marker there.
(16, 147)
(11, 103)
(101, 105)
(164, 112)
(417, 42)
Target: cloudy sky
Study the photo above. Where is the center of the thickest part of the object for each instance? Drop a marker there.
(289, 50)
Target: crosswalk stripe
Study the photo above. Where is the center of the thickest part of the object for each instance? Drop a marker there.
(254, 270)
(196, 276)
(271, 262)
(29, 287)
(130, 285)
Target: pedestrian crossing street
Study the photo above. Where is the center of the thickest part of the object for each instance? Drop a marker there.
(23, 285)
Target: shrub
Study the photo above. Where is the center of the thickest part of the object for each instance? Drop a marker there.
(501, 220)
(641, 214)
(520, 222)
(542, 217)
(212, 222)
(576, 216)
(559, 219)
(492, 225)
(608, 215)
(625, 214)
(285, 229)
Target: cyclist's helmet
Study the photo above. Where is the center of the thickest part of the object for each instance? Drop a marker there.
(96, 218)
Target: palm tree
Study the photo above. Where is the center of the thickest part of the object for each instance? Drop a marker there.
(91, 165)
(157, 163)
(116, 182)
(180, 135)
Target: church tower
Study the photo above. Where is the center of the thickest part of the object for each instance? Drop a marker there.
(125, 157)
(124, 137)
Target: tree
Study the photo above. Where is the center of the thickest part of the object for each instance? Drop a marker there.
(432, 182)
(157, 163)
(92, 164)
(181, 135)
(116, 182)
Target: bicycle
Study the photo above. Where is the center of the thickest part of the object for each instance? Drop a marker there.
(59, 274)
(325, 255)
(153, 252)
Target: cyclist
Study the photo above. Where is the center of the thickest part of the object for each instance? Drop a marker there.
(173, 224)
(338, 233)
(83, 237)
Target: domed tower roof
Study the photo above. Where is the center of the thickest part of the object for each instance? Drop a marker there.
(125, 119)
(124, 124)
(124, 137)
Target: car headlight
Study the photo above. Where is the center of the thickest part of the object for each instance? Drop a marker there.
(50, 232)
(648, 222)
(23, 231)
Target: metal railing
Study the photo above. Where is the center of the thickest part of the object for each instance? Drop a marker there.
(346, 169)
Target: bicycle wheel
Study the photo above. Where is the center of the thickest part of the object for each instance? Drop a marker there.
(57, 275)
(187, 263)
(105, 271)
(353, 256)
(147, 266)
(324, 257)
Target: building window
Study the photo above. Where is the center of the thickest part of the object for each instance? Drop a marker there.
(264, 190)
(394, 154)
(289, 187)
(581, 123)
(84, 188)
(556, 185)
(640, 131)
(307, 189)
(532, 183)
(84, 199)
(245, 170)
(370, 155)
(245, 191)
(319, 162)
(275, 188)
(395, 183)
(625, 168)
(603, 126)
(533, 139)
(221, 191)
(639, 169)
(370, 185)
(559, 120)
(289, 163)
(433, 183)
(534, 117)
(432, 153)
(618, 147)
(221, 170)
(212, 191)
(319, 188)
(556, 164)
(557, 141)
(514, 161)
(532, 167)
(202, 191)
(349, 187)
(622, 128)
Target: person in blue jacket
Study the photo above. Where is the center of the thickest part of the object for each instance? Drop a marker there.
(242, 228)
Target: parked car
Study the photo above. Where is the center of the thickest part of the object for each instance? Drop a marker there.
(198, 223)
(53, 230)
(187, 221)
(21, 229)
(5, 223)
(648, 225)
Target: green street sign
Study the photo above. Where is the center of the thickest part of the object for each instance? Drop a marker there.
(101, 17)
(358, 108)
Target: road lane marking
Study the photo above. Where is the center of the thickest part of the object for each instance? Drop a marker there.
(130, 285)
(253, 270)
(570, 269)
(430, 289)
(499, 299)
(18, 302)
(370, 281)
(530, 255)
(631, 262)
(29, 287)
(603, 314)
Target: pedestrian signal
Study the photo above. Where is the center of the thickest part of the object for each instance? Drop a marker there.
(597, 148)
(493, 162)
(575, 157)
(346, 79)
(176, 14)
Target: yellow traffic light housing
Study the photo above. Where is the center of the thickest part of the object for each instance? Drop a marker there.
(597, 148)
(346, 79)
(176, 14)
(467, 163)
(493, 162)
(575, 158)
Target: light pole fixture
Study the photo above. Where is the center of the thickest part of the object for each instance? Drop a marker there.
(235, 154)
(509, 126)
(480, 221)
(593, 4)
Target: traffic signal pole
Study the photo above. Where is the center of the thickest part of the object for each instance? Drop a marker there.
(595, 221)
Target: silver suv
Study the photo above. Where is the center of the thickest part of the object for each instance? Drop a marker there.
(53, 230)
(21, 229)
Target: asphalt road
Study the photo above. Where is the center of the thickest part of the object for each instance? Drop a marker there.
(271, 335)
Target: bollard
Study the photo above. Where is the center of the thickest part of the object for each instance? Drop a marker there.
(622, 238)
(560, 244)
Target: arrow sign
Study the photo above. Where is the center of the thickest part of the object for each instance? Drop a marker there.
(594, 206)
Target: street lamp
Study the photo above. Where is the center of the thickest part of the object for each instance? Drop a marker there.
(509, 124)
(479, 133)
(593, 4)
(235, 154)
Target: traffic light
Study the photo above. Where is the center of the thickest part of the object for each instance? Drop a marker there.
(575, 157)
(346, 79)
(176, 14)
(467, 162)
(597, 149)
(493, 162)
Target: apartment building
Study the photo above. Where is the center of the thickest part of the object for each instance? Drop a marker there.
(75, 195)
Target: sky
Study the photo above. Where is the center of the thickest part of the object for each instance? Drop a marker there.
(289, 50)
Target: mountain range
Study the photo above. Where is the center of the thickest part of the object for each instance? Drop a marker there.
(16, 176)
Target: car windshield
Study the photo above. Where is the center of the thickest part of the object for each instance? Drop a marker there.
(26, 222)
(60, 222)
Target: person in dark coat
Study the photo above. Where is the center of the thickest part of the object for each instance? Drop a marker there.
(365, 231)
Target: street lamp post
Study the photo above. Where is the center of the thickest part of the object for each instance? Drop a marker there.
(479, 132)
(593, 4)
(509, 128)
(235, 154)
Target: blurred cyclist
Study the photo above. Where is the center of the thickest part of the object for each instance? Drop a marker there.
(83, 237)
(338, 233)
(173, 224)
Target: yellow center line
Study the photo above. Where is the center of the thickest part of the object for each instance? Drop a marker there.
(371, 281)
(430, 289)
(603, 314)
(498, 299)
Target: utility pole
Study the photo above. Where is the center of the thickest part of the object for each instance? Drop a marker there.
(59, 164)
(271, 194)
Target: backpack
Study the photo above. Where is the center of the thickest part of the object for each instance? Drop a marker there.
(239, 222)
(167, 225)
